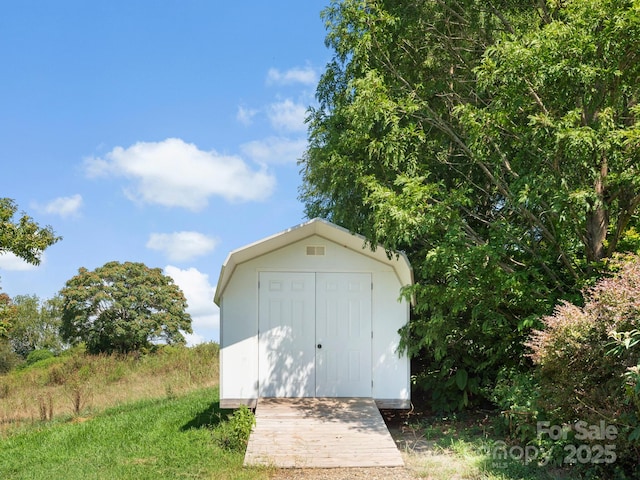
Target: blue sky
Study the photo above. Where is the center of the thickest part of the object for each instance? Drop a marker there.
(157, 131)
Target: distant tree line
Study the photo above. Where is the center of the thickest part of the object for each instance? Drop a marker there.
(116, 308)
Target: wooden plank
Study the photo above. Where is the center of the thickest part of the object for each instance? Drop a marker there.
(321, 433)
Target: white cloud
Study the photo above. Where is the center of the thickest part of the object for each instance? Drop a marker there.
(182, 246)
(63, 206)
(275, 150)
(305, 76)
(205, 315)
(9, 261)
(174, 173)
(287, 115)
(245, 115)
(97, 167)
(194, 339)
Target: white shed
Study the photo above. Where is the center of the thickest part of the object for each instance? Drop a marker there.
(313, 312)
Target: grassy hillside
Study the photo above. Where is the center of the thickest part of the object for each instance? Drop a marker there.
(76, 384)
(157, 416)
(117, 417)
(148, 439)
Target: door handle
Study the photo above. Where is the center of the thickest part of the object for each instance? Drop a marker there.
(319, 345)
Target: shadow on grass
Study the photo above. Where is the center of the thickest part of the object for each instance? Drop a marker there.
(210, 417)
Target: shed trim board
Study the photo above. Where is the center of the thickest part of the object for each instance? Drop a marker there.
(312, 312)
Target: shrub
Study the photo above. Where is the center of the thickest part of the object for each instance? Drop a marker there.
(579, 375)
(38, 355)
(234, 433)
(56, 376)
(582, 376)
(516, 394)
(8, 358)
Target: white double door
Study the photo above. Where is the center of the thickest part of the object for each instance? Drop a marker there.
(314, 334)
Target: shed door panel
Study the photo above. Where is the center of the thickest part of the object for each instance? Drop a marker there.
(286, 362)
(315, 334)
(343, 334)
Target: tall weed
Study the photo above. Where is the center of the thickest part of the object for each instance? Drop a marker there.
(233, 434)
(45, 405)
(517, 395)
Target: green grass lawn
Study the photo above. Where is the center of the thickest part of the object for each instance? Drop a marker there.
(167, 438)
(157, 416)
(175, 437)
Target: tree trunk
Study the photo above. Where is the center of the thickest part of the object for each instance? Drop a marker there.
(597, 221)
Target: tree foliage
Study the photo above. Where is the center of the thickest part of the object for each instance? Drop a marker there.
(23, 236)
(496, 143)
(123, 307)
(7, 315)
(36, 325)
(8, 358)
(27, 240)
(560, 126)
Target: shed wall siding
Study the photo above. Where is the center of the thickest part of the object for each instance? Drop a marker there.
(390, 371)
(239, 338)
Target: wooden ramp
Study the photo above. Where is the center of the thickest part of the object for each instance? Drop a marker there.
(320, 433)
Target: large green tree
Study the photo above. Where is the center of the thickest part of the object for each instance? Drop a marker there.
(123, 307)
(23, 236)
(439, 126)
(560, 127)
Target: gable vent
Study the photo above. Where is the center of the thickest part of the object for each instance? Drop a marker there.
(317, 250)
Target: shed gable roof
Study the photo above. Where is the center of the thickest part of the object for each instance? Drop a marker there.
(322, 228)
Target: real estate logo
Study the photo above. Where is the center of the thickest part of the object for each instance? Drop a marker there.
(591, 443)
